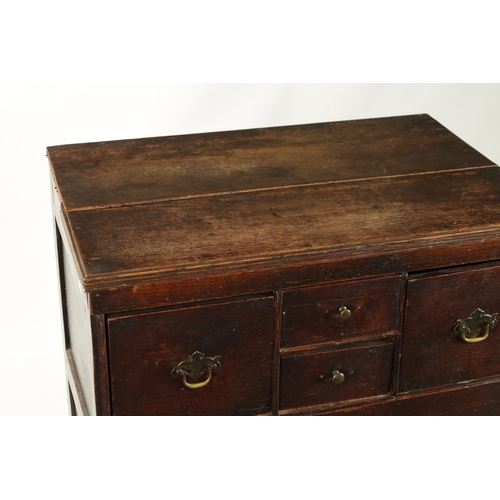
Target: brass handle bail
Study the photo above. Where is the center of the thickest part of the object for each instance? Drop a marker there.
(196, 367)
(475, 327)
(197, 385)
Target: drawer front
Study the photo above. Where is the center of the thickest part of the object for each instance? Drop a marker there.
(340, 311)
(144, 349)
(334, 376)
(433, 350)
(482, 399)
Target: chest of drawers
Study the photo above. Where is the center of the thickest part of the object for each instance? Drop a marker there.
(348, 268)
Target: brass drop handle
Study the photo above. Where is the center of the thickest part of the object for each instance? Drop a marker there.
(476, 327)
(197, 385)
(344, 312)
(337, 377)
(196, 367)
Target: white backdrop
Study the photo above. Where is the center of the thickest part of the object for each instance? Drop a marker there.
(76, 44)
(39, 115)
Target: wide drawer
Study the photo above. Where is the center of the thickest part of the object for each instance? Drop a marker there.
(340, 311)
(482, 399)
(145, 348)
(333, 376)
(434, 351)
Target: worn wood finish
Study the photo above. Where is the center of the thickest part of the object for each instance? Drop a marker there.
(306, 379)
(119, 173)
(245, 244)
(311, 315)
(465, 400)
(101, 368)
(77, 398)
(64, 317)
(345, 263)
(144, 348)
(84, 334)
(79, 334)
(85, 342)
(400, 328)
(272, 226)
(278, 315)
(432, 354)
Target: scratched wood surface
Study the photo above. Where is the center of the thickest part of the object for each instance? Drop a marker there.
(433, 355)
(306, 379)
(144, 348)
(181, 218)
(240, 243)
(283, 223)
(126, 172)
(311, 315)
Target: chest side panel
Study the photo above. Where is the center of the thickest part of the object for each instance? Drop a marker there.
(79, 336)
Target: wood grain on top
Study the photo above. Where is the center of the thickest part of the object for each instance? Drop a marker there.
(118, 173)
(268, 199)
(274, 225)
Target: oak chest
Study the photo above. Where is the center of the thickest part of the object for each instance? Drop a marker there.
(348, 268)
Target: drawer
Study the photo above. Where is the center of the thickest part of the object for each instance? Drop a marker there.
(145, 348)
(433, 350)
(340, 375)
(340, 311)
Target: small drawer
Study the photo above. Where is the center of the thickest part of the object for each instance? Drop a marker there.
(340, 311)
(334, 376)
(435, 352)
(144, 349)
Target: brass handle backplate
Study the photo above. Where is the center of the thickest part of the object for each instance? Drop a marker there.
(198, 368)
(476, 327)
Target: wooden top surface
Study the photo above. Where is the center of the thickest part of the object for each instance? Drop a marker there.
(118, 173)
(212, 202)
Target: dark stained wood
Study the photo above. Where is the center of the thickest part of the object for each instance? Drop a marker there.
(83, 335)
(222, 281)
(134, 171)
(400, 328)
(144, 348)
(306, 379)
(245, 244)
(311, 315)
(278, 315)
(275, 225)
(101, 368)
(85, 343)
(79, 336)
(481, 399)
(64, 315)
(432, 354)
